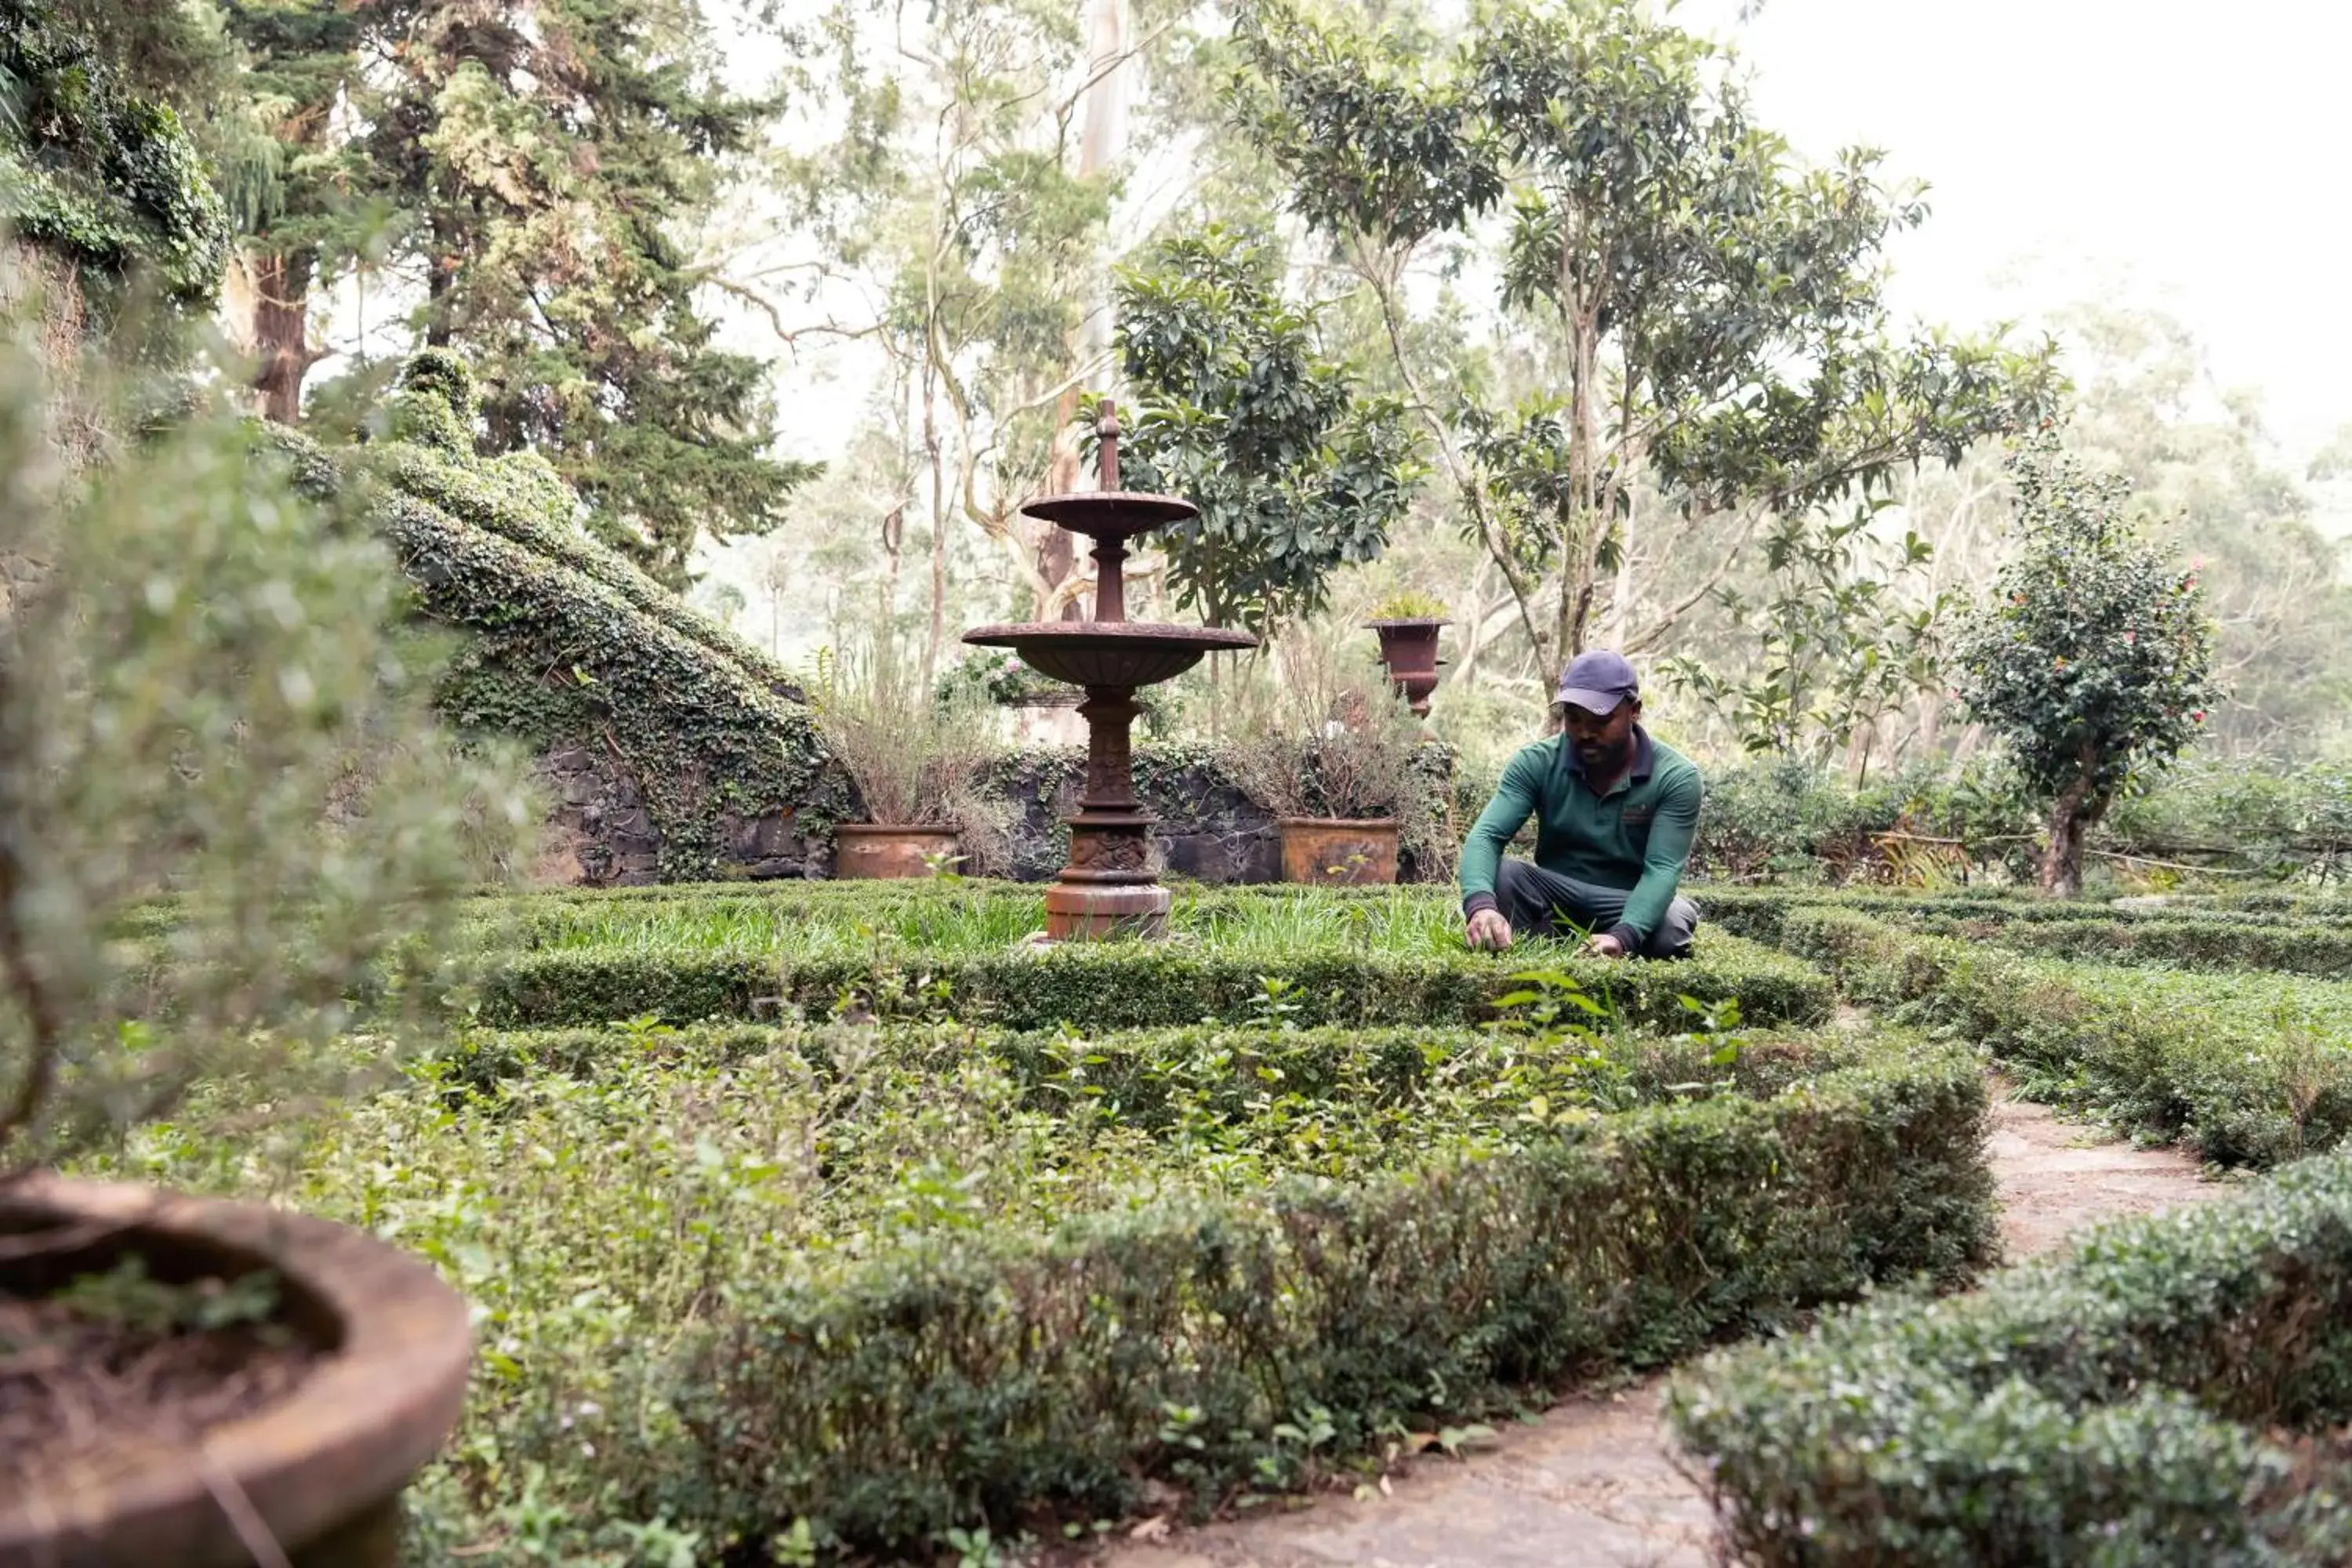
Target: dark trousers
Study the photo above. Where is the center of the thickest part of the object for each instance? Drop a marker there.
(1544, 903)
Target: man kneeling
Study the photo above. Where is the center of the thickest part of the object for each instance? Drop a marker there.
(1615, 813)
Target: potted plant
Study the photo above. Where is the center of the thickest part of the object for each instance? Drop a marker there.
(919, 761)
(1407, 625)
(1336, 764)
(226, 813)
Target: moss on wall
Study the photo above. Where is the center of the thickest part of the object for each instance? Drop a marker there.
(566, 640)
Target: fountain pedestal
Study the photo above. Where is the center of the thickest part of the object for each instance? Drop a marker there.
(1109, 888)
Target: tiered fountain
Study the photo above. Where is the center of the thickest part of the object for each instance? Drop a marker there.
(1109, 888)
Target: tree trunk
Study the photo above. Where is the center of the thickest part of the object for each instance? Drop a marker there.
(939, 528)
(1057, 549)
(2070, 825)
(278, 331)
(1100, 135)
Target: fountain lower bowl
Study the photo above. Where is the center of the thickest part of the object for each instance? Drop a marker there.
(1109, 653)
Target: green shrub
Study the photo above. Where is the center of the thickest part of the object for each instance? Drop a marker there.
(886, 1281)
(2241, 932)
(1123, 985)
(1142, 1077)
(979, 1376)
(2248, 1070)
(2298, 948)
(2133, 1402)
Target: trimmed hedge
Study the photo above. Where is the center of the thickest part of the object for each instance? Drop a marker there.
(2137, 1402)
(1133, 1075)
(2249, 1070)
(1126, 986)
(976, 1377)
(2299, 937)
(2300, 948)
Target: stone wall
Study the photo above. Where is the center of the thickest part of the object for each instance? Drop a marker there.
(600, 832)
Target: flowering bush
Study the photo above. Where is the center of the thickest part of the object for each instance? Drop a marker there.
(2093, 659)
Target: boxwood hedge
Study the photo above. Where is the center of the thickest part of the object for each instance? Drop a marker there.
(1124, 984)
(987, 1377)
(2249, 1070)
(2156, 1397)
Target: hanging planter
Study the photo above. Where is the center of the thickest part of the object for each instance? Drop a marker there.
(1409, 653)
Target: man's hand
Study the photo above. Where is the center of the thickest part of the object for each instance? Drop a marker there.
(1605, 946)
(1489, 930)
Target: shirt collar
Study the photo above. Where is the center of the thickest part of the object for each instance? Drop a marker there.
(1645, 756)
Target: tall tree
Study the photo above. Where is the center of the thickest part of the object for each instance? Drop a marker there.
(1715, 305)
(301, 194)
(1240, 412)
(962, 206)
(2093, 655)
(2204, 473)
(548, 162)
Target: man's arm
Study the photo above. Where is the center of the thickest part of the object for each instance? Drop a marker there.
(1671, 832)
(1482, 851)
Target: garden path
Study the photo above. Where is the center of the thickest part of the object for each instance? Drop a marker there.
(1595, 1484)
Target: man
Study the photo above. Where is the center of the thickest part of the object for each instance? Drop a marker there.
(1615, 813)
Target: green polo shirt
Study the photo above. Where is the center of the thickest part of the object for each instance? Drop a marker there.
(1637, 836)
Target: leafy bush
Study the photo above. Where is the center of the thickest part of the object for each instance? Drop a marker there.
(851, 1286)
(2249, 1070)
(202, 698)
(2093, 657)
(1118, 985)
(2153, 1398)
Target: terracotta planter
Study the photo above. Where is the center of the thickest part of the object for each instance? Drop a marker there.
(1408, 649)
(865, 850)
(321, 1470)
(1358, 853)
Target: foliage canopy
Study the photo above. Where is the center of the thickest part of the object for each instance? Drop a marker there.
(2093, 658)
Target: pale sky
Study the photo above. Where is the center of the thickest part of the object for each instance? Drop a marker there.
(2153, 155)
(2183, 156)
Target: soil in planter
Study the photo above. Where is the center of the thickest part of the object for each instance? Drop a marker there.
(93, 1376)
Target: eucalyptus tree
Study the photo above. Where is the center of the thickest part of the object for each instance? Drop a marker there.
(1715, 304)
(954, 219)
(2205, 474)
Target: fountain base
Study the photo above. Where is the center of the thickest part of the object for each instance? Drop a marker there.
(1077, 911)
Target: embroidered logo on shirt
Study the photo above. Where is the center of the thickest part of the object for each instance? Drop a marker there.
(1637, 815)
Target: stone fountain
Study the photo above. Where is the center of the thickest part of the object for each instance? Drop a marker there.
(1109, 888)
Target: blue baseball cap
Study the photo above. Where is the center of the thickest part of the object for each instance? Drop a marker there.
(1597, 680)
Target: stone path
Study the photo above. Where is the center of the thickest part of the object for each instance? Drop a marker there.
(1596, 1483)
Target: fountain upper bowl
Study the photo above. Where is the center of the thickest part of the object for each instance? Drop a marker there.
(1110, 514)
(1109, 653)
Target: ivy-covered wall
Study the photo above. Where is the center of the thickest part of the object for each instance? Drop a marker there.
(671, 749)
(96, 173)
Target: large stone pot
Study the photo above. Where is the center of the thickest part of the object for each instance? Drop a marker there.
(1409, 650)
(1351, 852)
(865, 850)
(319, 1470)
